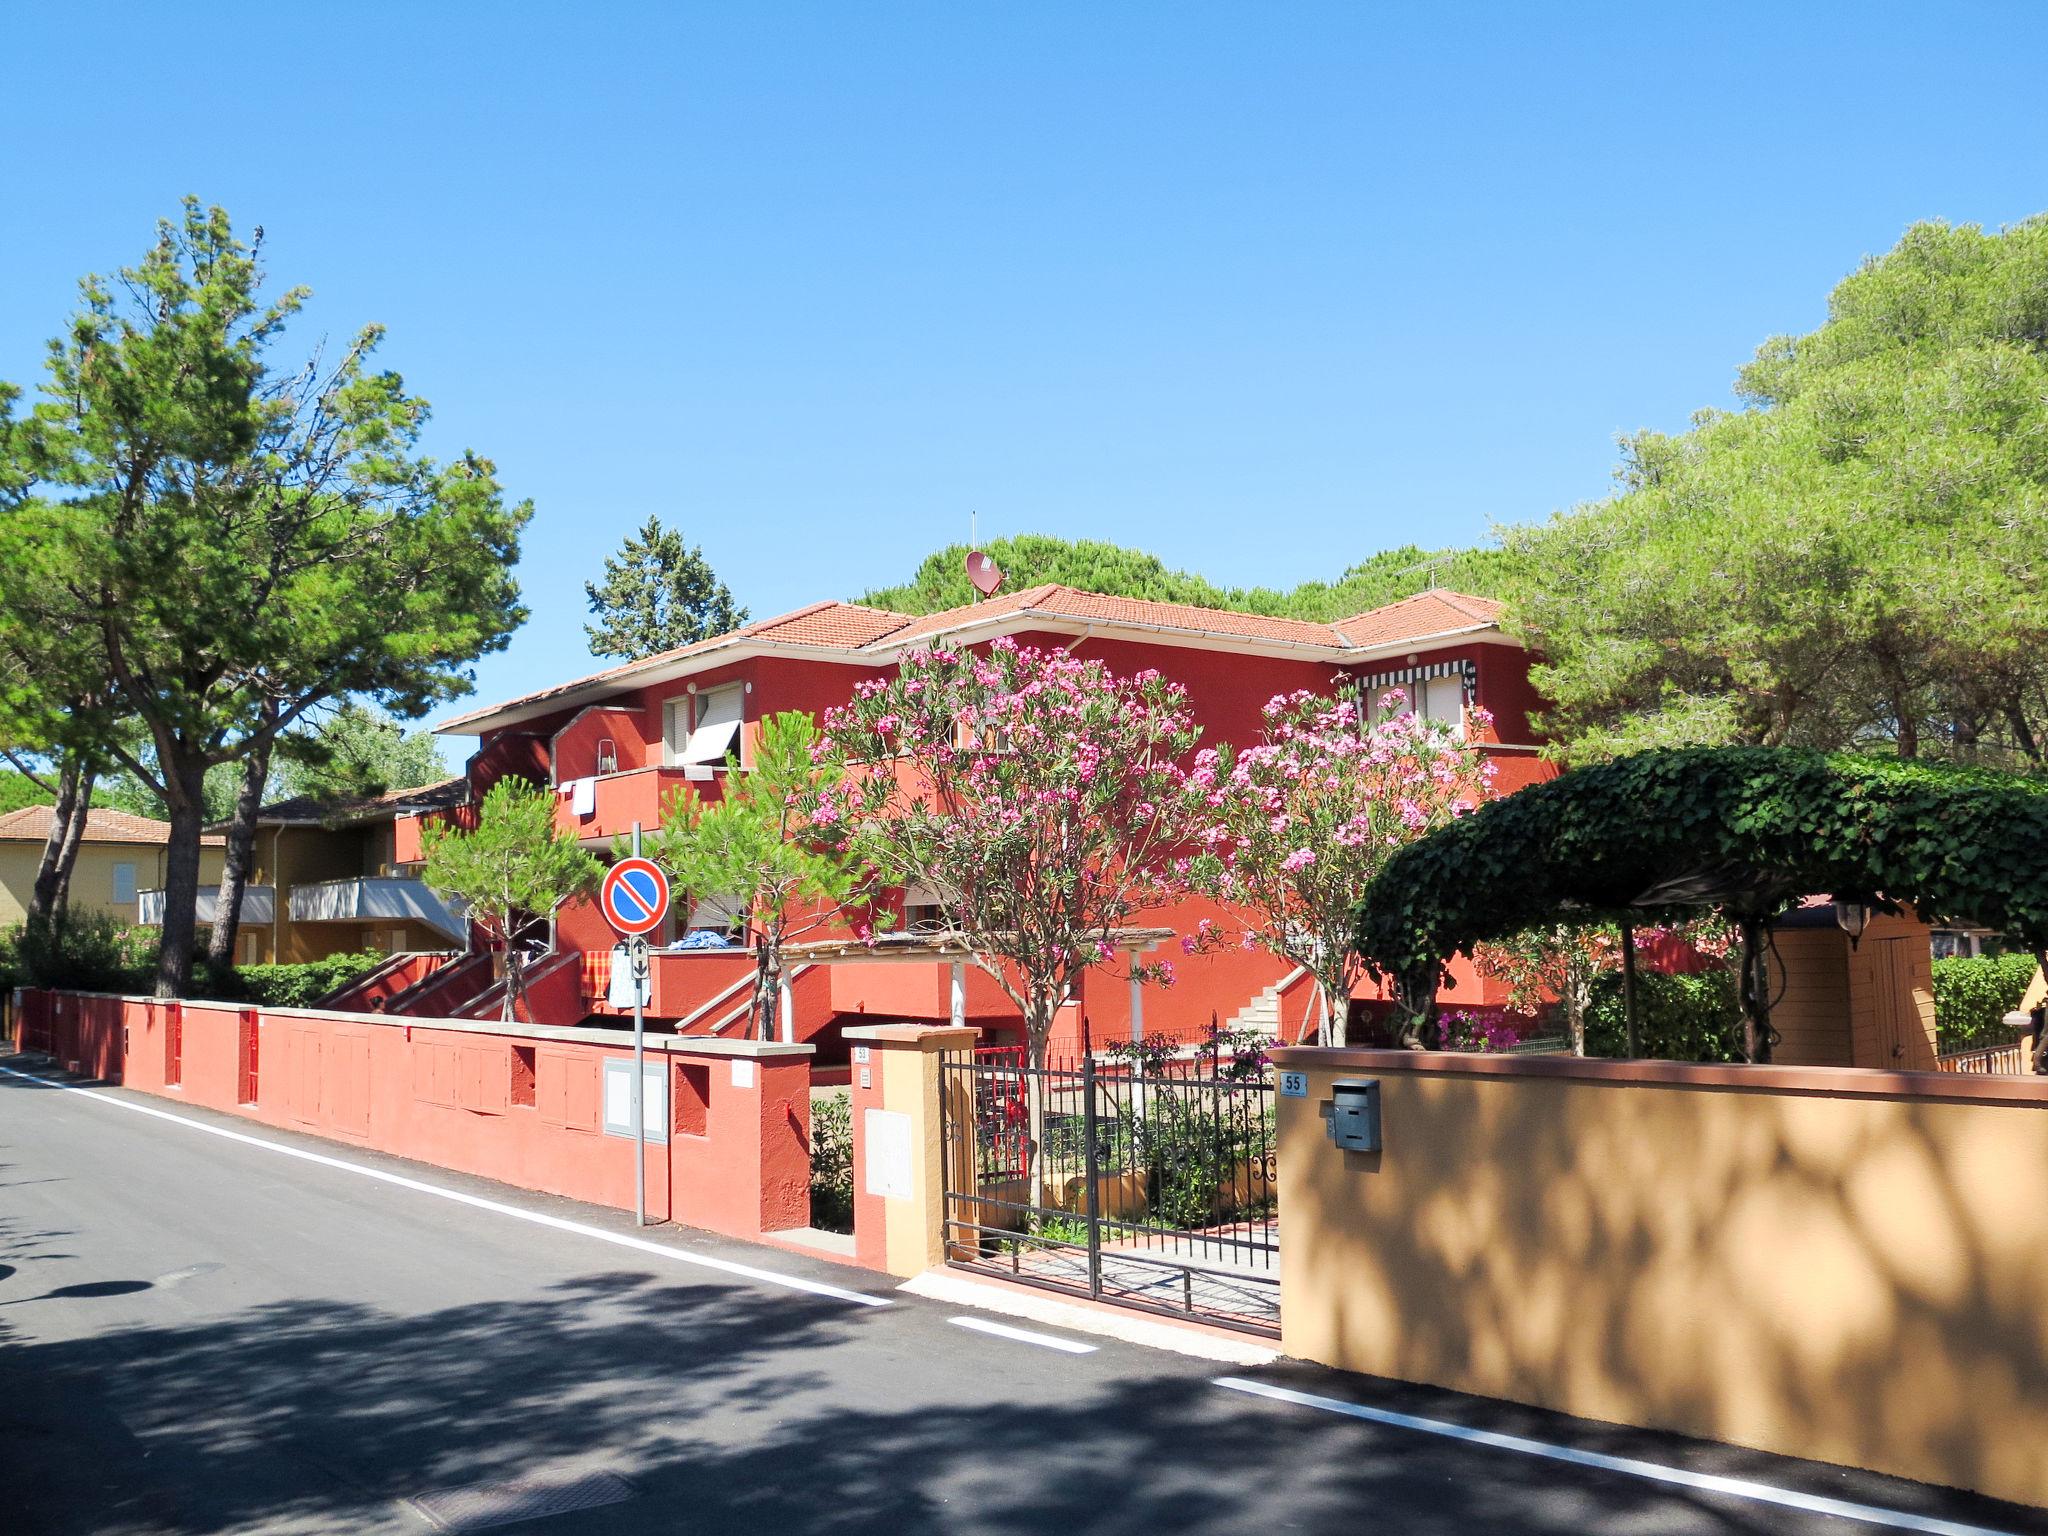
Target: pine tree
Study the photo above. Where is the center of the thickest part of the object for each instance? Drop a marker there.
(510, 871)
(235, 543)
(658, 593)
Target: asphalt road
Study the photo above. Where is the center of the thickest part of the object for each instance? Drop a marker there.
(198, 1335)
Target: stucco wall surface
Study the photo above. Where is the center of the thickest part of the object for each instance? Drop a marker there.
(460, 1095)
(1826, 1263)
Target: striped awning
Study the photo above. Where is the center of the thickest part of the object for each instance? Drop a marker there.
(1411, 677)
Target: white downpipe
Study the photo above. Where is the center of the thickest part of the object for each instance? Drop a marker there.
(957, 1005)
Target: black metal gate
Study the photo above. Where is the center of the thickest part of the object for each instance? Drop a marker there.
(1149, 1186)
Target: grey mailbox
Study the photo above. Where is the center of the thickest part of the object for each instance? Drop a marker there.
(1355, 1114)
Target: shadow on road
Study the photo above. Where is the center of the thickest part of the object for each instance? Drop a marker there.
(730, 1410)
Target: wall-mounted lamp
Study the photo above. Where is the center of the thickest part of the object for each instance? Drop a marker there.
(1852, 917)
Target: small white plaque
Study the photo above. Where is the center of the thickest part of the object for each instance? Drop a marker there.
(629, 975)
(743, 1074)
(867, 1077)
(887, 1148)
(1293, 1085)
(860, 1052)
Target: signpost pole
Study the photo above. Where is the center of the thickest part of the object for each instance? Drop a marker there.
(634, 950)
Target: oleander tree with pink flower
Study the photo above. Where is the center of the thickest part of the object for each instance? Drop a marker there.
(1557, 965)
(1037, 795)
(1291, 831)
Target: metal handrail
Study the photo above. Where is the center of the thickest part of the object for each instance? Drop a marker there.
(746, 979)
(398, 1002)
(378, 972)
(553, 961)
(740, 1012)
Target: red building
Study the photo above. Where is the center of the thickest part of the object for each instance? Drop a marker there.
(618, 744)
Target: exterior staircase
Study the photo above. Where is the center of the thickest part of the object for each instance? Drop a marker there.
(375, 990)
(551, 987)
(443, 991)
(1265, 1012)
(1261, 1013)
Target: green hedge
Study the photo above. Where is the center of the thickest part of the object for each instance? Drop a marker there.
(288, 986)
(1684, 1018)
(1972, 996)
(93, 953)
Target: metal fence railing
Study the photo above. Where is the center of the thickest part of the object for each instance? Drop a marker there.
(2010, 1058)
(1150, 1186)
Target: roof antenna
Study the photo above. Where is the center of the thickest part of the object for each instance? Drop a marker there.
(1432, 566)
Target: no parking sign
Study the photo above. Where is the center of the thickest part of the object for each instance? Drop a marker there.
(634, 896)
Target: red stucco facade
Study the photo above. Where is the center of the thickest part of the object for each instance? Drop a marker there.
(813, 660)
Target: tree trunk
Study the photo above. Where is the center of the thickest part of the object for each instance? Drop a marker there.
(241, 860)
(1755, 987)
(74, 834)
(1323, 1012)
(768, 980)
(1037, 1033)
(185, 789)
(1631, 1019)
(2023, 732)
(1415, 1000)
(53, 873)
(515, 983)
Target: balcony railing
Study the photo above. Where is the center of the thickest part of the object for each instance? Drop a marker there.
(616, 800)
(259, 906)
(376, 900)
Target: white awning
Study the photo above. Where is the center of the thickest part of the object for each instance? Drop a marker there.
(259, 906)
(711, 743)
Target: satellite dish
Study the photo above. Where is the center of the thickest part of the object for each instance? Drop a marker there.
(984, 573)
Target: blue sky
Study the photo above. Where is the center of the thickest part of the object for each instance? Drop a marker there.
(1261, 288)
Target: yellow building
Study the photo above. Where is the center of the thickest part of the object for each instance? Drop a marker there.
(329, 881)
(120, 857)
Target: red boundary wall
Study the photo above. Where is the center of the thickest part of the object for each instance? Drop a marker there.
(510, 1102)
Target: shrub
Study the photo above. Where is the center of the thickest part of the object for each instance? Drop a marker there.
(87, 951)
(832, 1163)
(1189, 1149)
(1684, 1018)
(288, 986)
(1461, 1030)
(1972, 996)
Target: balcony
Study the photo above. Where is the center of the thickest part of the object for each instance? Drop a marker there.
(599, 809)
(259, 906)
(699, 985)
(376, 900)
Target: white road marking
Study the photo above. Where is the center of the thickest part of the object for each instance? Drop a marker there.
(956, 1289)
(1022, 1335)
(496, 1207)
(1705, 1482)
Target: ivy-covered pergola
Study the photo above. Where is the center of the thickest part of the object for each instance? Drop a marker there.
(1746, 831)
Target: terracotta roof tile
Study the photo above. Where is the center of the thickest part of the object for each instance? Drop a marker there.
(1071, 603)
(31, 824)
(839, 624)
(856, 629)
(322, 810)
(1436, 612)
